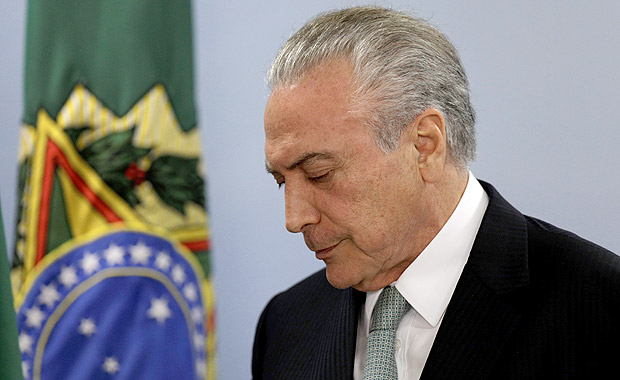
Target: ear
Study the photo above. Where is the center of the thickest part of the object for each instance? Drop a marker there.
(429, 130)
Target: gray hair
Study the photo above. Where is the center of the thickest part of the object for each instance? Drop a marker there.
(401, 64)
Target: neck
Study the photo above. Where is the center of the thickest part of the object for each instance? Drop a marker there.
(442, 198)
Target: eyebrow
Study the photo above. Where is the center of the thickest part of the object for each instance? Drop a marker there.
(306, 158)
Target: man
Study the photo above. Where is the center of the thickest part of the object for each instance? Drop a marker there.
(369, 129)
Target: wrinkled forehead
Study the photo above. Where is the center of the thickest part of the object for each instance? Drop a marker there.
(312, 115)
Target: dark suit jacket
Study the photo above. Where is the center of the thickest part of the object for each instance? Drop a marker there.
(533, 302)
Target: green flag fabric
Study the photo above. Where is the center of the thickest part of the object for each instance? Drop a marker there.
(10, 359)
(116, 48)
(112, 256)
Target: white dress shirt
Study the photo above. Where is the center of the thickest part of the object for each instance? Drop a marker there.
(428, 284)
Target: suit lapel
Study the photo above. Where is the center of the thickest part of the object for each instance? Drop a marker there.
(334, 351)
(485, 307)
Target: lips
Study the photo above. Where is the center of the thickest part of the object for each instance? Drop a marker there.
(323, 254)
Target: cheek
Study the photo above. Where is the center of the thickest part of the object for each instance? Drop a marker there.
(362, 204)
(346, 207)
(362, 220)
(365, 197)
(380, 216)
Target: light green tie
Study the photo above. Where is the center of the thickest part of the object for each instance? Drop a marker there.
(381, 360)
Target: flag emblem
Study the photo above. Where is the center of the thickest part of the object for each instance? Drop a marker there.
(101, 309)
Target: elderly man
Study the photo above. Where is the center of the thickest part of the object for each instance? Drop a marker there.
(429, 273)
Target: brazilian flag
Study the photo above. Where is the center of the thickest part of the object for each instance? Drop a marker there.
(111, 262)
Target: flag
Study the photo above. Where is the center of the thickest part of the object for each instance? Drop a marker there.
(111, 261)
(10, 360)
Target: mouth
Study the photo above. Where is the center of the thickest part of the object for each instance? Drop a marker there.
(323, 254)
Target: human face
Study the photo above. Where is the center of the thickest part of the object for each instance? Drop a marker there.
(357, 206)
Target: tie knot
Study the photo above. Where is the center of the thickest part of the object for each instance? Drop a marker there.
(389, 309)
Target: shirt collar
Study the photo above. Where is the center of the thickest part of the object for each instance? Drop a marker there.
(429, 281)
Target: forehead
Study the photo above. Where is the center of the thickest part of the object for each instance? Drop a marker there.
(311, 115)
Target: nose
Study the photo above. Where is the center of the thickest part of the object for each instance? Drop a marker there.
(299, 207)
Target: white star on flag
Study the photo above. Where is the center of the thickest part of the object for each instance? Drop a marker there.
(199, 341)
(140, 254)
(34, 317)
(197, 315)
(68, 276)
(178, 274)
(110, 365)
(87, 327)
(90, 263)
(190, 292)
(25, 342)
(159, 310)
(25, 370)
(114, 255)
(163, 261)
(201, 368)
(49, 295)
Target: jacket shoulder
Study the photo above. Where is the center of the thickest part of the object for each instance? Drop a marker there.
(549, 245)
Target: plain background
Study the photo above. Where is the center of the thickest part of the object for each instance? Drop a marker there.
(545, 80)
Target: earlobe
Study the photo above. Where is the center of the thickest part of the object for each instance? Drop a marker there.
(430, 143)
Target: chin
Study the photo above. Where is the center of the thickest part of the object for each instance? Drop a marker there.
(340, 278)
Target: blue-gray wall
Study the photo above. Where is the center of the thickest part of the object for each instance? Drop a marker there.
(545, 78)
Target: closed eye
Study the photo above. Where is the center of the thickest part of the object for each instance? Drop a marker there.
(319, 178)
